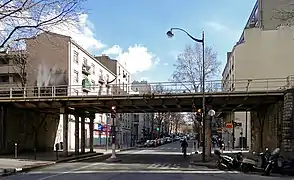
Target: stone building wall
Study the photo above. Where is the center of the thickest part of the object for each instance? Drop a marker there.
(287, 124)
(266, 127)
(29, 129)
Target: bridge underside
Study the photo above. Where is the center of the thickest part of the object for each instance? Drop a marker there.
(150, 103)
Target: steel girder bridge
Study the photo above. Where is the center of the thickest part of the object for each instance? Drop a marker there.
(156, 97)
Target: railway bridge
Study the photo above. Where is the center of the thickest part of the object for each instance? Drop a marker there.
(35, 112)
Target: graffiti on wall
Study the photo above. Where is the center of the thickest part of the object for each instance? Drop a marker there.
(50, 76)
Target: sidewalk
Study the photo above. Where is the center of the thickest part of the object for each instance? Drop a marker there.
(196, 159)
(26, 161)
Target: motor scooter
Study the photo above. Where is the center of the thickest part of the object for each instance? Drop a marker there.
(274, 163)
(226, 162)
(251, 165)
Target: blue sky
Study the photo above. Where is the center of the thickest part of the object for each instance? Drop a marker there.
(136, 29)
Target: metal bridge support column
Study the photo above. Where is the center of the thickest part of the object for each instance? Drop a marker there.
(92, 133)
(83, 135)
(77, 134)
(65, 130)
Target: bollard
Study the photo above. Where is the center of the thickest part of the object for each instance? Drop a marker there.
(35, 153)
(15, 150)
(56, 155)
(56, 150)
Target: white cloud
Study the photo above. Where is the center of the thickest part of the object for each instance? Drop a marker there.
(144, 79)
(137, 58)
(114, 50)
(165, 64)
(216, 26)
(223, 29)
(82, 33)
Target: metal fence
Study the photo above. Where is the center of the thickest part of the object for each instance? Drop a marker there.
(244, 85)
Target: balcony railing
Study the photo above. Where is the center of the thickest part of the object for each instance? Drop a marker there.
(86, 85)
(86, 69)
(101, 80)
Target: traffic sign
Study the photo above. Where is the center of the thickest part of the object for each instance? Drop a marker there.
(229, 125)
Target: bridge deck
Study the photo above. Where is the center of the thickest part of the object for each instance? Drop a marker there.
(220, 101)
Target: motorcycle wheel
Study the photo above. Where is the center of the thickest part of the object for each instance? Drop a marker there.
(244, 168)
(267, 170)
(219, 165)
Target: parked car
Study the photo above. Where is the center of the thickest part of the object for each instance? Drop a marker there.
(149, 143)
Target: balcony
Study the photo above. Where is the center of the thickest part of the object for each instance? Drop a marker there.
(86, 69)
(101, 80)
(86, 85)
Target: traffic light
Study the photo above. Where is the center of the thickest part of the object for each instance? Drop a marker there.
(199, 115)
(157, 129)
(113, 112)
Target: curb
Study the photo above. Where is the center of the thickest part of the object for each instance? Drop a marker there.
(212, 166)
(98, 156)
(127, 149)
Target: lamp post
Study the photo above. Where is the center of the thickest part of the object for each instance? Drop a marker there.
(113, 134)
(170, 34)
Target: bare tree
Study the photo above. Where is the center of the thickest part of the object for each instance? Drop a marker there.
(22, 19)
(188, 67)
(188, 72)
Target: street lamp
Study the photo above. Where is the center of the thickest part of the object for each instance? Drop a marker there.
(113, 134)
(170, 35)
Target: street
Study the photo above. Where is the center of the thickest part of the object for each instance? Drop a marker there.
(163, 162)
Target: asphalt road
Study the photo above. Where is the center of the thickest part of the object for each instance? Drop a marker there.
(163, 162)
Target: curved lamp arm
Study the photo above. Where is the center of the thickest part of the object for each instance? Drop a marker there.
(170, 34)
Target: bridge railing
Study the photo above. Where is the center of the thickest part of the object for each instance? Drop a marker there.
(245, 85)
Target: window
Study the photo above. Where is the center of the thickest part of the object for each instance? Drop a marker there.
(93, 68)
(4, 79)
(107, 77)
(101, 73)
(76, 57)
(123, 86)
(4, 61)
(76, 76)
(128, 79)
(123, 72)
(93, 84)
(85, 61)
(118, 70)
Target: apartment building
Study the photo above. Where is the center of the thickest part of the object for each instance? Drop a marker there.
(262, 54)
(57, 60)
(145, 120)
(12, 73)
(121, 83)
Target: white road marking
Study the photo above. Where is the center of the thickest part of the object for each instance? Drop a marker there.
(140, 171)
(74, 170)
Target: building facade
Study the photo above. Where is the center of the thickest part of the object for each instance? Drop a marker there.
(145, 120)
(121, 84)
(260, 60)
(58, 61)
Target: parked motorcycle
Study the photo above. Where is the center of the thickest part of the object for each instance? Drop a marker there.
(264, 157)
(274, 164)
(226, 162)
(251, 165)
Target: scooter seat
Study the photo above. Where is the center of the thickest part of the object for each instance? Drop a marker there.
(249, 161)
(227, 157)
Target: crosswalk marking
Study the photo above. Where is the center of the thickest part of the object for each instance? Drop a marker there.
(164, 166)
